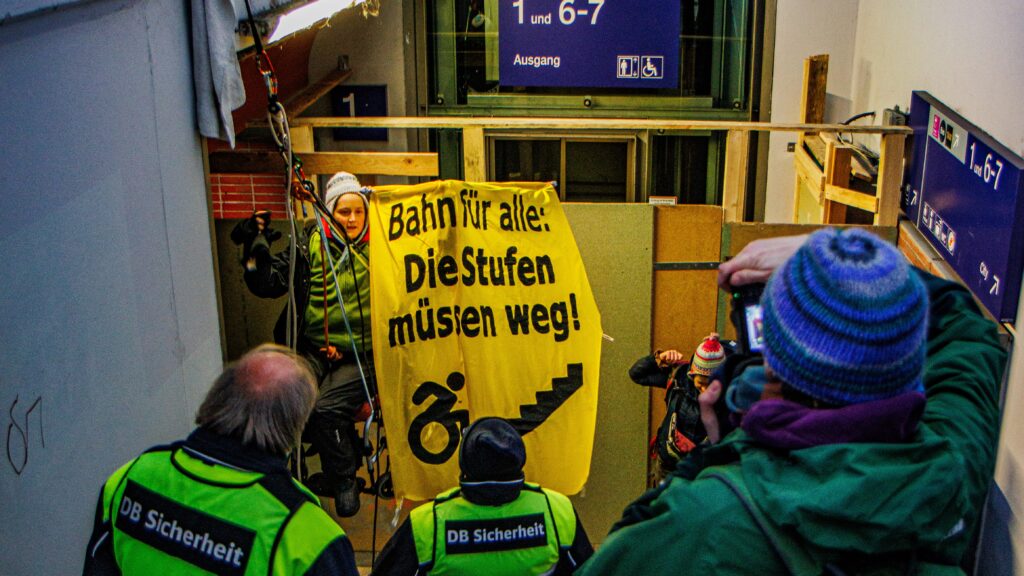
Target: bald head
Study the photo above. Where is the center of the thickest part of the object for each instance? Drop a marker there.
(263, 400)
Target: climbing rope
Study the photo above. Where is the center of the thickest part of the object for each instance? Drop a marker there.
(301, 188)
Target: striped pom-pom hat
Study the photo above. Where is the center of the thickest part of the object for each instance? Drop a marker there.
(708, 356)
(845, 319)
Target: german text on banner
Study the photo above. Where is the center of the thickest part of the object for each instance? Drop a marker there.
(481, 307)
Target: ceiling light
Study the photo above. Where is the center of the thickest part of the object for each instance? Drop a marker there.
(307, 15)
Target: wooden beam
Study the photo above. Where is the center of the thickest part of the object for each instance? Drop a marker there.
(302, 143)
(386, 163)
(812, 110)
(807, 169)
(834, 193)
(310, 94)
(890, 177)
(590, 124)
(734, 189)
(812, 100)
(474, 157)
(837, 175)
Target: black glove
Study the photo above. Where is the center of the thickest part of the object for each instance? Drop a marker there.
(247, 230)
(271, 235)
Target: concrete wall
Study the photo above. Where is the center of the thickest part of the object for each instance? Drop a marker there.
(107, 300)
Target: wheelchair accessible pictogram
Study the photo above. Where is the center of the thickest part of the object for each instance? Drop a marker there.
(652, 67)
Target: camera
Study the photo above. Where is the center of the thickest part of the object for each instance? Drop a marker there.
(746, 317)
(742, 374)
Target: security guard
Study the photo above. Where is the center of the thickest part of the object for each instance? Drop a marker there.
(494, 523)
(222, 501)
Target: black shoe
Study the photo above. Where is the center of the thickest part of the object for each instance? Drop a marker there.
(346, 499)
(317, 484)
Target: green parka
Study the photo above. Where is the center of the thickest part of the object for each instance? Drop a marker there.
(839, 508)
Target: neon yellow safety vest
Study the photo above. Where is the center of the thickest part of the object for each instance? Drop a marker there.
(525, 536)
(173, 513)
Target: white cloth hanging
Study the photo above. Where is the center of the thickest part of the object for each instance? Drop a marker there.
(215, 69)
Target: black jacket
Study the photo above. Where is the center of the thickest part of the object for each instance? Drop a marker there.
(683, 415)
(398, 558)
(269, 279)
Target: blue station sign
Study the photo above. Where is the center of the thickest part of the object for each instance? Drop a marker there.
(589, 43)
(965, 193)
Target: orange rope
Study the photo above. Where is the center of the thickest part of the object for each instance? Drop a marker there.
(329, 350)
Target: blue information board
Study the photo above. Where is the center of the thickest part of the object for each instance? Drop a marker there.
(349, 100)
(966, 195)
(589, 43)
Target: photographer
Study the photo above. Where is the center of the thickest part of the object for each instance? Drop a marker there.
(874, 440)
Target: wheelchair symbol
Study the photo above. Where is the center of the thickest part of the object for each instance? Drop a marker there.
(652, 67)
(439, 412)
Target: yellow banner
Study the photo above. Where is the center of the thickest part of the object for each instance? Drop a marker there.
(481, 307)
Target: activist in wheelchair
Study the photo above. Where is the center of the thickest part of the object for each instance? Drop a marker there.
(494, 522)
(327, 280)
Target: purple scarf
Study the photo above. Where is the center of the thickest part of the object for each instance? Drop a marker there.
(791, 426)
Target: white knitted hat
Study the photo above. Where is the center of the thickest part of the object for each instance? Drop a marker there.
(340, 183)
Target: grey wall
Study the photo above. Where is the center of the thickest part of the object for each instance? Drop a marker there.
(108, 314)
(805, 28)
(620, 276)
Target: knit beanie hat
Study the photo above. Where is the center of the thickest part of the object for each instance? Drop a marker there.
(492, 450)
(339, 184)
(845, 319)
(708, 356)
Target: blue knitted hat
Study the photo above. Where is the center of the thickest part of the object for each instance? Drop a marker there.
(845, 319)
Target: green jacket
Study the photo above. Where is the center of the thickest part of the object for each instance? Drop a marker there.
(355, 293)
(211, 505)
(268, 278)
(864, 508)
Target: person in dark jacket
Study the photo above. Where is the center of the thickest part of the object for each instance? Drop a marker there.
(334, 336)
(222, 500)
(494, 523)
(681, 430)
(873, 444)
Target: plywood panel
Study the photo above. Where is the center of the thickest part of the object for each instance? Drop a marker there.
(685, 304)
(685, 311)
(890, 175)
(687, 233)
(684, 300)
(615, 241)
